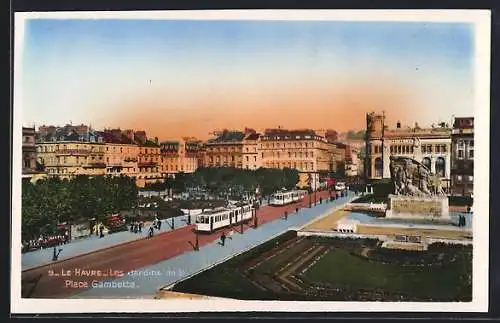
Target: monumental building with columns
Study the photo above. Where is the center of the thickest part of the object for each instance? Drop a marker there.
(430, 146)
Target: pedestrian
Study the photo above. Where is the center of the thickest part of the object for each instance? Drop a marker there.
(141, 224)
(101, 231)
(132, 227)
(136, 227)
(223, 239)
(151, 231)
(159, 224)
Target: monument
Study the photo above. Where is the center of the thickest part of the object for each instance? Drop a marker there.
(417, 194)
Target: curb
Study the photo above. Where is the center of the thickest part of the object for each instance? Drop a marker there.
(171, 285)
(95, 251)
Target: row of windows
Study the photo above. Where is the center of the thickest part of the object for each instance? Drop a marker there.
(288, 145)
(461, 154)
(463, 142)
(300, 166)
(460, 178)
(409, 149)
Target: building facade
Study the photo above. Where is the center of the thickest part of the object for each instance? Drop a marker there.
(429, 146)
(462, 166)
(225, 150)
(179, 156)
(66, 154)
(251, 158)
(29, 150)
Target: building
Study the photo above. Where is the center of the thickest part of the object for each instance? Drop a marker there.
(120, 154)
(29, 150)
(303, 150)
(430, 146)
(65, 153)
(180, 156)
(225, 150)
(149, 162)
(30, 168)
(68, 158)
(251, 158)
(462, 161)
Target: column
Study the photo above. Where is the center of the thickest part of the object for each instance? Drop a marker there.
(447, 166)
(433, 164)
(386, 153)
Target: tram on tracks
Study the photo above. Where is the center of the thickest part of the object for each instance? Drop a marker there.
(222, 217)
(286, 197)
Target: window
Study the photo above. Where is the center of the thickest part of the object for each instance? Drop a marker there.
(460, 154)
(424, 150)
(459, 178)
(429, 148)
(392, 149)
(438, 148)
(444, 149)
(471, 153)
(460, 143)
(471, 178)
(471, 143)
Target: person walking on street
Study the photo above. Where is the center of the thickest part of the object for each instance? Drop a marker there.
(151, 231)
(158, 224)
(223, 239)
(141, 224)
(101, 231)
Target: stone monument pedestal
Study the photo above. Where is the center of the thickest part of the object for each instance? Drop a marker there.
(418, 208)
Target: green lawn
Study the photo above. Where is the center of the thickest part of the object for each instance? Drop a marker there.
(341, 269)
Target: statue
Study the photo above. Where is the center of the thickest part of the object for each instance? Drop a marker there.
(411, 178)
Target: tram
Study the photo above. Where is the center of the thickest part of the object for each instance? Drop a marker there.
(286, 197)
(221, 217)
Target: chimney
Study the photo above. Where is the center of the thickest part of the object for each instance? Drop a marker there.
(398, 124)
(156, 140)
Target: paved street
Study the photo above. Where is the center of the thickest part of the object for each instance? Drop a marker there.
(190, 263)
(143, 253)
(91, 244)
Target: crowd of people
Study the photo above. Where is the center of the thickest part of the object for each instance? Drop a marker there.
(137, 226)
(46, 241)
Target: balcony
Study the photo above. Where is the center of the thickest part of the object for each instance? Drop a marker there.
(94, 165)
(72, 152)
(147, 164)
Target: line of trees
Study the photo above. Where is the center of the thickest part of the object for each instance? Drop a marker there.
(51, 201)
(217, 180)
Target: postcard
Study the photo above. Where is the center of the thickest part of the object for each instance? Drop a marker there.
(207, 161)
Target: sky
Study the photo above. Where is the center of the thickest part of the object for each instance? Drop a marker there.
(176, 78)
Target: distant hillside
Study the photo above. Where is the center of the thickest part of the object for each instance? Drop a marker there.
(355, 135)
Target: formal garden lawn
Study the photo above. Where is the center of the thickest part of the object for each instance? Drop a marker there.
(341, 268)
(352, 270)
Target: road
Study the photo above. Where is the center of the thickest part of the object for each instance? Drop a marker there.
(48, 281)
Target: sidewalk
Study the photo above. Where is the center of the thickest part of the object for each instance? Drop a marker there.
(93, 243)
(150, 279)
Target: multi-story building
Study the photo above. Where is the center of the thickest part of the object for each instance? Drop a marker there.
(30, 168)
(70, 157)
(225, 150)
(462, 161)
(67, 153)
(121, 154)
(179, 156)
(429, 146)
(303, 150)
(251, 154)
(29, 150)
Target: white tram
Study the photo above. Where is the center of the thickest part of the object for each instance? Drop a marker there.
(286, 197)
(222, 217)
